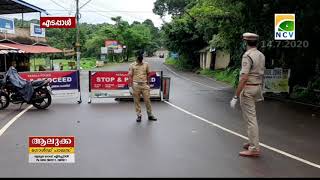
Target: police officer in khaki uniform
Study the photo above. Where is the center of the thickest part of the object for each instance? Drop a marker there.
(250, 91)
(139, 82)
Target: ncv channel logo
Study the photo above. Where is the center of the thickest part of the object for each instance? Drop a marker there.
(285, 27)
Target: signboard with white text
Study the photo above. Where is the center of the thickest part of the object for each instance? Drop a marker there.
(7, 25)
(36, 31)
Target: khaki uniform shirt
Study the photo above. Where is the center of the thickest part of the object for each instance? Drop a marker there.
(253, 64)
(140, 72)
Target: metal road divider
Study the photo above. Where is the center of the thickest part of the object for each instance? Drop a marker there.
(166, 82)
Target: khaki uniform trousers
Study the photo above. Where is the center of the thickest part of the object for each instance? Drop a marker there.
(248, 98)
(144, 89)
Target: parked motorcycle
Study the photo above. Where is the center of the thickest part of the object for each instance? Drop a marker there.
(41, 98)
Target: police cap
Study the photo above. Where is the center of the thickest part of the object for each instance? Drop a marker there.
(250, 36)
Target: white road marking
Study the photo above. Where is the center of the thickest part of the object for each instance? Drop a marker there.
(214, 88)
(13, 120)
(244, 137)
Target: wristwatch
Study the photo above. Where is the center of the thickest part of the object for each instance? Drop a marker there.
(235, 97)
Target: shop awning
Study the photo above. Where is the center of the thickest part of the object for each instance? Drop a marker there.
(29, 49)
(17, 7)
(7, 49)
(10, 51)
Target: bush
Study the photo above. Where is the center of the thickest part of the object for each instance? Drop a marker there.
(180, 64)
(229, 76)
(308, 95)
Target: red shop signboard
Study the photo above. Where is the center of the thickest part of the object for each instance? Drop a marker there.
(58, 22)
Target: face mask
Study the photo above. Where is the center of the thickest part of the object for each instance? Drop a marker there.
(243, 46)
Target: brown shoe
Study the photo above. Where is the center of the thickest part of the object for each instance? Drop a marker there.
(247, 153)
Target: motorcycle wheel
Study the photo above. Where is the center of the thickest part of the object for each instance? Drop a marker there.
(43, 103)
(4, 100)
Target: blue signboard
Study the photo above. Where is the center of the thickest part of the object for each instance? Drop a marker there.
(36, 31)
(6, 25)
(61, 80)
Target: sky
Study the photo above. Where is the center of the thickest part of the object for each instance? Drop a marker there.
(98, 11)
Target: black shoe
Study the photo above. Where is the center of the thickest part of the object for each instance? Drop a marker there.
(152, 118)
(139, 119)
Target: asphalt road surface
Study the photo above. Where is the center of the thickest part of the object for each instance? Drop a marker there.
(196, 135)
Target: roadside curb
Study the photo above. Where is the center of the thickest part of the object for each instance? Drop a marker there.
(220, 82)
(225, 85)
(315, 107)
(293, 102)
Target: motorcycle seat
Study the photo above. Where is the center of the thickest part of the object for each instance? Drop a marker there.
(38, 82)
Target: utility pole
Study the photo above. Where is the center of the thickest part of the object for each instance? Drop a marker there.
(78, 36)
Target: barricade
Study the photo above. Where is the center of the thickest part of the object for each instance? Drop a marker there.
(114, 84)
(276, 80)
(166, 81)
(63, 83)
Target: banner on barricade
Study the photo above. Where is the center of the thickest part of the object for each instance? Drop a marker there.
(276, 80)
(63, 82)
(115, 84)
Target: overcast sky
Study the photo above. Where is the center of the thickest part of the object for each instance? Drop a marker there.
(99, 11)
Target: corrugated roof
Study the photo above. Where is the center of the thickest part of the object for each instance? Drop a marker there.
(10, 51)
(29, 49)
(18, 6)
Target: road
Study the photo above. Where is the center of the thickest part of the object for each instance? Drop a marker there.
(197, 135)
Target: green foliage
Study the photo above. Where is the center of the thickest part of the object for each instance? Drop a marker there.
(65, 38)
(220, 23)
(137, 36)
(88, 63)
(85, 63)
(306, 95)
(172, 7)
(179, 64)
(229, 76)
(182, 37)
(316, 83)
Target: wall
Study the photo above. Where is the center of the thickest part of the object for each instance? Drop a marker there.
(22, 35)
(222, 59)
(205, 60)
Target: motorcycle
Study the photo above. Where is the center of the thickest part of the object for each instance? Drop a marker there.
(41, 98)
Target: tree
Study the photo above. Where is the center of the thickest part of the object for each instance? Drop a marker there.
(171, 7)
(136, 37)
(220, 24)
(155, 42)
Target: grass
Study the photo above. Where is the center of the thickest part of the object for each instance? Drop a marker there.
(179, 64)
(229, 76)
(85, 63)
